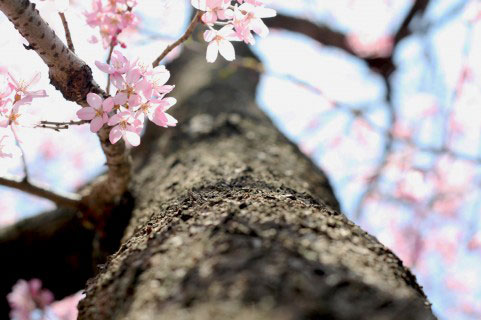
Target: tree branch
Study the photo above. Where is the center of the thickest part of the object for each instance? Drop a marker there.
(60, 199)
(73, 77)
(182, 39)
(68, 35)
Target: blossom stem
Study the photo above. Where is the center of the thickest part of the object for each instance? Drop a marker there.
(57, 126)
(60, 199)
(68, 35)
(109, 57)
(181, 40)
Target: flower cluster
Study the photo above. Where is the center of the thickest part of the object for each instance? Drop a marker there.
(140, 94)
(29, 301)
(15, 95)
(112, 18)
(238, 21)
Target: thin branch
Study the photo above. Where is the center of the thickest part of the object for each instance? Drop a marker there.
(57, 126)
(182, 39)
(109, 57)
(68, 35)
(60, 199)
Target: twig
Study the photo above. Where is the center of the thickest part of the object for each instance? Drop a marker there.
(68, 35)
(57, 126)
(60, 199)
(109, 57)
(182, 39)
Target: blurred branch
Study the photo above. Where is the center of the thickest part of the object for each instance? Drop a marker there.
(320, 33)
(60, 199)
(329, 37)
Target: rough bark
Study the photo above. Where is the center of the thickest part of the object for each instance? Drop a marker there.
(231, 221)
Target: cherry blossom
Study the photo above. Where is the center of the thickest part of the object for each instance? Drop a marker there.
(219, 42)
(126, 127)
(214, 10)
(21, 87)
(140, 95)
(97, 112)
(29, 301)
(14, 117)
(112, 18)
(26, 297)
(248, 17)
(118, 66)
(244, 18)
(155, 110)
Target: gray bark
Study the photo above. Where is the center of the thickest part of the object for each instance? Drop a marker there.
(232, 221)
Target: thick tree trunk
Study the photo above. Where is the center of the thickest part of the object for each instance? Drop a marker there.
(231, 221)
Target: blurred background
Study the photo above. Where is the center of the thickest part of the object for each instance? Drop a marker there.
(384, 95)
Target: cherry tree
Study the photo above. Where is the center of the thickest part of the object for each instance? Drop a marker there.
(208, 184)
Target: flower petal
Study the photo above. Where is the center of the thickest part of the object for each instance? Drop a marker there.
(212, 51)
(96, 124)
(86, 113)
(94, 100)
(115, 135)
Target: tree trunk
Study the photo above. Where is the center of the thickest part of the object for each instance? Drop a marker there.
(232, 221)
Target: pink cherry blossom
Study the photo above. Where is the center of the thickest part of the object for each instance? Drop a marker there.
(140, 94)
(66, 309)
(21, 87)
(27, 297)
(118, 66)
(154, 82)
(248, 17)
(98, 111)
(214, 10)
(126, 127)
(219, 42)
(111, 19)
(14, 117)
(155, 110)
(244, 18)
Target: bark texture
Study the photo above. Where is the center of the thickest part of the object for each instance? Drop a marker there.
(231, 221)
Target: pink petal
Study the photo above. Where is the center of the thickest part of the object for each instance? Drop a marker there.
(132, 138)
(159, 117)
(115, 135)
(226, 49)
(115, 119)
(259, 27)
(86, 113)
(120, 98)
(104, 67)
(168, 102)
(96, 124)
(212, 51)
(171, 121)
(209, 35)
(94, 100)
(108, 104)
(118, 81)
(35, 79)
